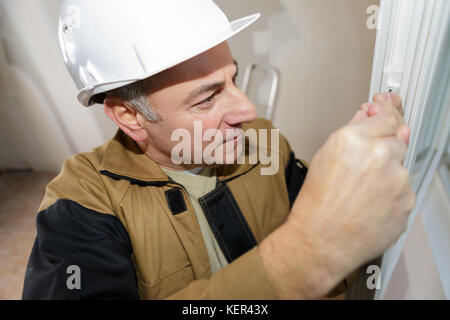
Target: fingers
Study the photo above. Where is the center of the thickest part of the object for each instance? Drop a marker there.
(384, 124)
(390, 99)
(388, 119)
(387, 101)
(394, 146)
(403, 133)
(381, 125)
(397, 102)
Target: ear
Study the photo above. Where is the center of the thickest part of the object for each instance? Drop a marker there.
(126, 117)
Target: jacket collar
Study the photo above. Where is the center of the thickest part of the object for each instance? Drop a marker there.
(123, 159)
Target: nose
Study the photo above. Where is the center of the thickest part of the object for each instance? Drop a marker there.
(240, 109)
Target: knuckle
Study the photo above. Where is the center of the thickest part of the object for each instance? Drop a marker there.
(364, 106)
(390, 120)
(345, 134)
(380, 152)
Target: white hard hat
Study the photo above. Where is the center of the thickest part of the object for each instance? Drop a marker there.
(107, 44)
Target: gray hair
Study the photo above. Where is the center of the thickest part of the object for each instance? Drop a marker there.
(136, 96)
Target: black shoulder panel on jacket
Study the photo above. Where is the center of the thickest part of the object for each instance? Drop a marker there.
(79, 254)
(295, 173)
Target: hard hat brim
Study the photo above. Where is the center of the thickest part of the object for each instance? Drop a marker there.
(93, 94)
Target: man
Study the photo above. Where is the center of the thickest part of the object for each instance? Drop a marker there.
(127, 221)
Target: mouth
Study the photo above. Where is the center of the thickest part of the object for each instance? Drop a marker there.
(235, 136)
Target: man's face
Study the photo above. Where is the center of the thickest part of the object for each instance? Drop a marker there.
(200, 89)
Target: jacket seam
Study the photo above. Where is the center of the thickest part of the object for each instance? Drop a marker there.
(100, 178)
(95, 212)
(158, 281)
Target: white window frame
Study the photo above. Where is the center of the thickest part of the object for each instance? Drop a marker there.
(407, 53)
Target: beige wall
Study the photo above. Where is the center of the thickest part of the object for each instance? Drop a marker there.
(323, 51)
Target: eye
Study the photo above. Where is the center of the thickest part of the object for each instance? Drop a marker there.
(209, 99)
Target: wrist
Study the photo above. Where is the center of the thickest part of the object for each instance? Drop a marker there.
(294, 266)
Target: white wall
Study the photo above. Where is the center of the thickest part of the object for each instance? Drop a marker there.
(41, 121)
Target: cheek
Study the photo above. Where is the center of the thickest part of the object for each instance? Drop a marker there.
(213, 119)
(161, 134)
(193, 125)
(211, 122)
